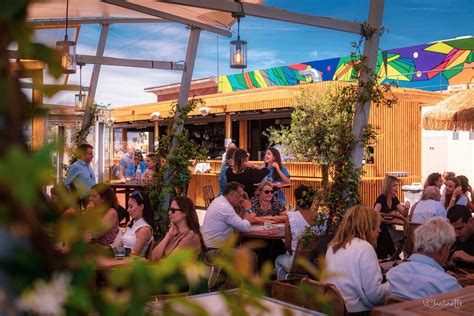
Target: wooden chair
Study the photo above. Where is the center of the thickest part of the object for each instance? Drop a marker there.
(408, 234)
(303, 250)
(317, 296)
(152, 246)
(208, 194)
(395, 219)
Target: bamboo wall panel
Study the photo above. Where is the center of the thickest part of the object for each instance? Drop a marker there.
(398, 144)
(369, 188)
(300, 169)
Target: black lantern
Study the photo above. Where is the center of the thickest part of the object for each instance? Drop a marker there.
(238, 48)
(80, 99)
(67, 50)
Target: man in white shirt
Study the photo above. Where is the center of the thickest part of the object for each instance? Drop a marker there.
(221, 219)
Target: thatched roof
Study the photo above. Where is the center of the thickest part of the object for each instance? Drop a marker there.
(453, 113)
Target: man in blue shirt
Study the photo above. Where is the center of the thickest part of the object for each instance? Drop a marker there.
(80, 175)
(424, 275)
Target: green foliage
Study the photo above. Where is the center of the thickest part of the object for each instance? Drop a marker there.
(321, 131)
(178, 161)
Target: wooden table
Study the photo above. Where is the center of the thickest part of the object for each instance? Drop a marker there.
(257, 231)
(126, 188)
(215, 304)
(109, 263)
(459, 302)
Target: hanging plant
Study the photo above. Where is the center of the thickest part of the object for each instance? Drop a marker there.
(179, 162)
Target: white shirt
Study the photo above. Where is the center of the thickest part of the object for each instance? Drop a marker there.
(297, 226)
(427, 209)
(129, 238)
(220, 221)
(356, 273)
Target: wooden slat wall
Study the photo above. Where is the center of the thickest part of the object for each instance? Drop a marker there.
(398, 145)
(369, 188)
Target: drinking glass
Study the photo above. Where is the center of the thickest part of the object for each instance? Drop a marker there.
(119, 252)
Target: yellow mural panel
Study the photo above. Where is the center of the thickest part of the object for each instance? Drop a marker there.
(439, 47)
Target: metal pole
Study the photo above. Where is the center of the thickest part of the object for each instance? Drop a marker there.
(100, 152)
(60, 157)
(95, 75)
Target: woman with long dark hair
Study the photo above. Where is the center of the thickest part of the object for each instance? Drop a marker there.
(139, 233)
(454, 192)
(245, 172)
(278, 173)
(434, 179)
(101, 195)
(184, 230)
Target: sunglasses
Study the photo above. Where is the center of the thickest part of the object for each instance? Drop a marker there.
(268, 191)
(173, 210)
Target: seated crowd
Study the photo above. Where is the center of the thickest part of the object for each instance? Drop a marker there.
(445, 230)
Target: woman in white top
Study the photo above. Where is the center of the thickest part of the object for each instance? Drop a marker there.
(139, 233)
(295, 225)
(351, 261)
(428, 207)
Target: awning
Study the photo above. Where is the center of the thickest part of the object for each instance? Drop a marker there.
(47, 11)
(453, 113)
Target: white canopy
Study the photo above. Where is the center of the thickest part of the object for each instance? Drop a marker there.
(50, 11)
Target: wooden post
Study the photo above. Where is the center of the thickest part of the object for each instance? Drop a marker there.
(371, 46)
(243, 134)
(124, 140)
(228, 129)
(182, 102)
(37, 124)
(156, 133)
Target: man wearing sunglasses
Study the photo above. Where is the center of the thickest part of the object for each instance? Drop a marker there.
(221, 219)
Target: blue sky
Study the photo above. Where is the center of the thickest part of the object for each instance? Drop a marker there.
(270, 43)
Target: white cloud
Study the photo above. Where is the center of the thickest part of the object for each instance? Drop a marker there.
(259, 59)
(314, 54)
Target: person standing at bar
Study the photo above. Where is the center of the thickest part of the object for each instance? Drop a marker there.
(245, 172)
(80, 175)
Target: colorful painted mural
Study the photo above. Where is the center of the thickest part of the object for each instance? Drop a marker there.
(433, 66)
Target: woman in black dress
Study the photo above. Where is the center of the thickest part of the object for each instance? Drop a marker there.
(388, 202)
(245, 173)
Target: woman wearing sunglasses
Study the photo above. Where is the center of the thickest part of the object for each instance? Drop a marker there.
(266, 206)
(139, 233)
(183, 232)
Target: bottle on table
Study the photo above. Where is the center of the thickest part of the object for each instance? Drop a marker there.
(138, 175)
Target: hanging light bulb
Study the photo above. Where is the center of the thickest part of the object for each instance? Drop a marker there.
(238, 48)
(67, 49)
(80, 99)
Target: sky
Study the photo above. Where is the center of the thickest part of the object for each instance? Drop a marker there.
(270, 43)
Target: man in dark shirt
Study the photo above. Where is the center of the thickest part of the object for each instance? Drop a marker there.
(460, 217)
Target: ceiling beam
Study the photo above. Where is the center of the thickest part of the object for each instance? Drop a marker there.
(168, 16)
(111, 61)
(68, 87)
(272, 13)
(61, 22)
